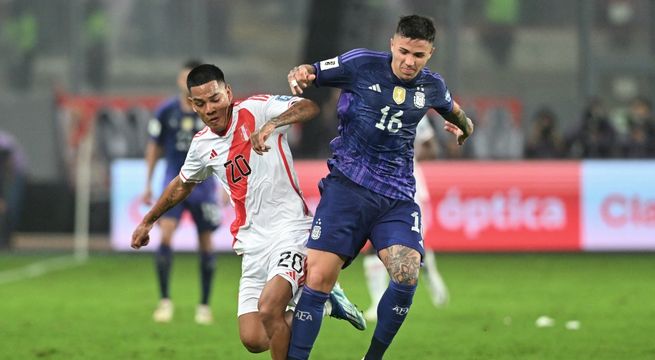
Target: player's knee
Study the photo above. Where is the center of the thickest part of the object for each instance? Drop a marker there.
(403, 265)
(254, 343)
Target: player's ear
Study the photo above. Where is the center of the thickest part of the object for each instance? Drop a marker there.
(228, 90)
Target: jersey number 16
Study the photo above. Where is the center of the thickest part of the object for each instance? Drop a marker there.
(394, 123)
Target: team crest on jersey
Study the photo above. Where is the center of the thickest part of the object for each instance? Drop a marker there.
(419, 99)
(316, 230)
(187, 124)
(399, 95)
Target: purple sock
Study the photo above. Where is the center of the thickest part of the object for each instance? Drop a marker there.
(163, 262)
(306, 323)
(392, 311)
(207, 267)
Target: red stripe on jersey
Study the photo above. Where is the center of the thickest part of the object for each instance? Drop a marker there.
(288, 168)
(239, 189)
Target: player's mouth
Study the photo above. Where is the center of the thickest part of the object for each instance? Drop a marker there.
(407, 71)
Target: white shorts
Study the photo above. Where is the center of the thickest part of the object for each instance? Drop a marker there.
(286, 257)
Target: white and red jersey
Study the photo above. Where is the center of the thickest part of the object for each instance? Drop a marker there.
(263, 188)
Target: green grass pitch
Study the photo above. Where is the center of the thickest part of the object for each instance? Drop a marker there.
(102, 310)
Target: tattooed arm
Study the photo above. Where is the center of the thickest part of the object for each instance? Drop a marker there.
(299, 112)
(458, 123)
(175, 192)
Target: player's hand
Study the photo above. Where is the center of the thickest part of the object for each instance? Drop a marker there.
(299, 78)
(453, 129)
(259, 137)
(140, 236)
(146, 197)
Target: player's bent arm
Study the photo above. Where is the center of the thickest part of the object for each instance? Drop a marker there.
(175, 192)
(458, 117)
(302, 111)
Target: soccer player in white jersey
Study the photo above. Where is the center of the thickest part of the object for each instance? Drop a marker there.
(272, 220)
(425, 148)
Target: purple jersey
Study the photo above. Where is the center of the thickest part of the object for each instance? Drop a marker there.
(378, 114)
(173, 129)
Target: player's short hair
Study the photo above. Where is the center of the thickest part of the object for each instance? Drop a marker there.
(203, 74)
(191, 63)
(416, 27)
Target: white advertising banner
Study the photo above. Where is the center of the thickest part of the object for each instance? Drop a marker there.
(618, 205)
(127, 185)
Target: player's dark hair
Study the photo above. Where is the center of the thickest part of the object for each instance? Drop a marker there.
(416, 27)
(191, 63)
(203, 74)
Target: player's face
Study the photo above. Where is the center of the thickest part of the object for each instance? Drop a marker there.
(212, 102)
(409, 56)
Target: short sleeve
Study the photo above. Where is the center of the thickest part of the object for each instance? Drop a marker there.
(194, 170)
(442, 99)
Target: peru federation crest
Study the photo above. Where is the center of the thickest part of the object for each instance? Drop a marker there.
(399, 95)
(419, 99)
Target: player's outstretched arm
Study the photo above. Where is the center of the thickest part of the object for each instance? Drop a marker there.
(458, 123)
(175, 192)
(300, 77)
(301, 111)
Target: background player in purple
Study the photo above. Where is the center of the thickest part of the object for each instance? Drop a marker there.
(369, 193)
(171, 131)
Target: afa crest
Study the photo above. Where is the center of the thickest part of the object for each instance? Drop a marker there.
(419, 99)
(316, 230)
(399, 95)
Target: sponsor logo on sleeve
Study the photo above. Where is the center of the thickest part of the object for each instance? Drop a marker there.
(329, 63)
(282, 98)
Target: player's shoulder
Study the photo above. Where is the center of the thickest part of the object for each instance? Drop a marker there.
(363, 55)
(203, 134)
(430, 76)
(252, 101)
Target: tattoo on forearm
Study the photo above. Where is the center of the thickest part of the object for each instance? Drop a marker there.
(299, 112)
(403, 264)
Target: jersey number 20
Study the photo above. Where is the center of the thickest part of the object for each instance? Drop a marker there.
(238, 168)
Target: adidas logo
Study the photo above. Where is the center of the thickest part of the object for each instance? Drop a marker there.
(213, 154)
(375, 88)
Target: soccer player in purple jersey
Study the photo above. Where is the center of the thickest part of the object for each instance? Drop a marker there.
(369, 192)
(171, 131)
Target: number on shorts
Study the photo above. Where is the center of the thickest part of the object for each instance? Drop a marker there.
(291, 260)
(417, 222)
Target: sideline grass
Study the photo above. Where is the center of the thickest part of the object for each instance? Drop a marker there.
(102, 310)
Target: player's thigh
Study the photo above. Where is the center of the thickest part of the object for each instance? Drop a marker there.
(287, 262)
(206, 214)
(275, 298)
(254, 274)
(343, 217)
(400, 225)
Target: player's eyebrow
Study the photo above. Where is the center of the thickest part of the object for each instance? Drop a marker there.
(213, 95)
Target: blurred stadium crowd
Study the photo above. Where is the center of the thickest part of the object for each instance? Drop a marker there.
(542, 79)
